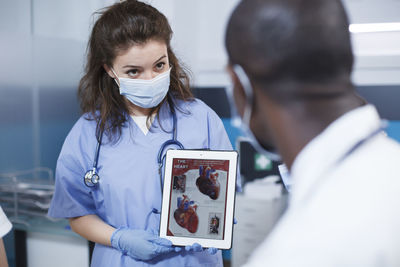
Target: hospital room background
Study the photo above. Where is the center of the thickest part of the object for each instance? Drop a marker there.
(42, 52)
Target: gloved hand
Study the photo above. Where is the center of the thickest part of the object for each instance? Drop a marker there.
(196, 247)
(140, 244)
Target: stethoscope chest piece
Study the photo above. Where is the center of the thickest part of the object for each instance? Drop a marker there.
(91, 178)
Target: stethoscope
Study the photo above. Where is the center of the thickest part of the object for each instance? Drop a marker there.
(91, 178)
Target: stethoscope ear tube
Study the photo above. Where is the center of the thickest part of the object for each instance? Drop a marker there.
(170, 142)
(173, 141)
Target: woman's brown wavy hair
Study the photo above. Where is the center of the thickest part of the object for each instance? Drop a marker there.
(118, 28)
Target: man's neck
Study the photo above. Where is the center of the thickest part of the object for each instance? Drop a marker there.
(304, 121)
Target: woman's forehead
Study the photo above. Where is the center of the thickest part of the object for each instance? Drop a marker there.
(142, 54)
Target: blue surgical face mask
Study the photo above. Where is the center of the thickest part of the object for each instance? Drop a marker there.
(144, 93)
(244, 123)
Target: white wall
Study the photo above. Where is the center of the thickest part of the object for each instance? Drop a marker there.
(15, 45)
(377, 53)
(199, 28)
(199, 33)
(373, 11)
(377, 58)
(60, 30)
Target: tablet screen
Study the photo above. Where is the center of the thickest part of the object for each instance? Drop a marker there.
(198, 198)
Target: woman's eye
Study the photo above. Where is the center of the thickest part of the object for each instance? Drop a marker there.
(160, 66)
(133, 73)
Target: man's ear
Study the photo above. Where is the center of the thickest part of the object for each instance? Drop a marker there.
(109, 71)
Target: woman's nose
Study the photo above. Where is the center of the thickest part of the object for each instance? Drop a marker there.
(148, 75)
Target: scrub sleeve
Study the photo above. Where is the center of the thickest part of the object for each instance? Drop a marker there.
(71, 197)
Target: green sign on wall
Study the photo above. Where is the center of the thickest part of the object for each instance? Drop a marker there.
(262, 163)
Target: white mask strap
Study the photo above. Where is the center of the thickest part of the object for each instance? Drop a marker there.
(116, 77)
(248, 90)
(244, 80)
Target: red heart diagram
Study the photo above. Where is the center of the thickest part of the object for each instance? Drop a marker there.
(185, 215)
(208, 183)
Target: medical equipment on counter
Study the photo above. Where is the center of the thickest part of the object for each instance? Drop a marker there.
(26, 194)
(91, 178)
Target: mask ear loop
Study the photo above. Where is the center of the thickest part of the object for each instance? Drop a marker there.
(248, 91)
(244, 80)
(115, 79)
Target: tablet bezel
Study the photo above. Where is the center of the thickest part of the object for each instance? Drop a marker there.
(232, 157)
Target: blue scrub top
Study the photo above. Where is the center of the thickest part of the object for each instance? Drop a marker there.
(129, 186)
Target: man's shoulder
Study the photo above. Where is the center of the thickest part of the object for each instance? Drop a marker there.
(379, 154)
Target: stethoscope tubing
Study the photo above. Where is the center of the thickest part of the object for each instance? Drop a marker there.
(96, 156)
(173, 141)
(160, 156)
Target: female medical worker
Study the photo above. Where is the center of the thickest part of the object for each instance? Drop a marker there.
(132, 88)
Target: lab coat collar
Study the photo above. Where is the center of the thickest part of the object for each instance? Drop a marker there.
(318, 158)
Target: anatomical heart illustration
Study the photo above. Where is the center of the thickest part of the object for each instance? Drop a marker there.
(207, 182)
(185, 215)
(198, 198)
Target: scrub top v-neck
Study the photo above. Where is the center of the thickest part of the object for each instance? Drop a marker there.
(142, 122)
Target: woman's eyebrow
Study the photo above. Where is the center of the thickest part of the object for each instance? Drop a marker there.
(131, 66)
(137, 67)
(160, 59)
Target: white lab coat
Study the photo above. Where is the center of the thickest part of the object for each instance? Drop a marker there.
(5, 225)
(340, 214)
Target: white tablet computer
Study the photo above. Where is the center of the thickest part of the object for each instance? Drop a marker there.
(199, 197)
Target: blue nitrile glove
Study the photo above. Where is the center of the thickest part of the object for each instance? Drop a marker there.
(234, 221)
(196, 247)
(140, 244)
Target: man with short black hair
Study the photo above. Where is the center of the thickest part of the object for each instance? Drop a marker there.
(291, 62)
